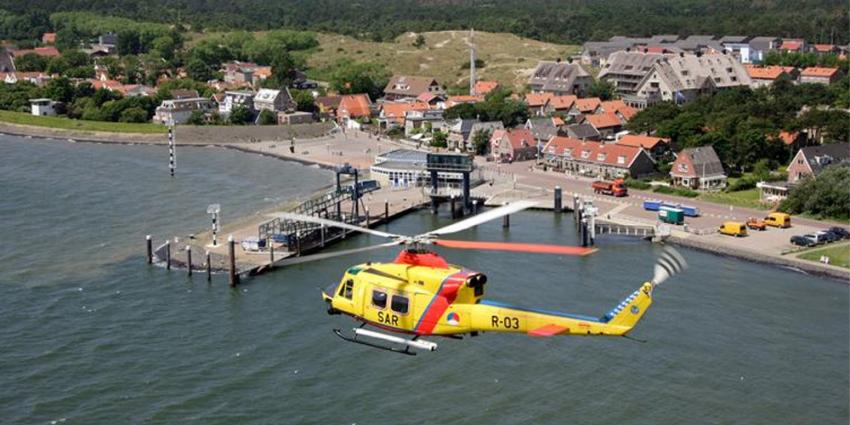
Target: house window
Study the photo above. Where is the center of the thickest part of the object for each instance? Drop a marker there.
(684, 72)
(585, 154)
(347, 289)
(653, 85)
(621, 159)
(683, 168)
(600, 157)
(379, 299)
(399, 304)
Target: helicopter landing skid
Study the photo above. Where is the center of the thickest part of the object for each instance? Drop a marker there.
(408, 343)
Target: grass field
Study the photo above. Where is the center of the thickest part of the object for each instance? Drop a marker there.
(744, 198)
(507, 58)
(839, 255)
(71, 124)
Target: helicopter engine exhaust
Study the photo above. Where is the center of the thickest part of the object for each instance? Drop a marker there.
(477, 282)
(420, 344)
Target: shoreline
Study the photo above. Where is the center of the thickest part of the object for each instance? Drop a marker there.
(831, 272)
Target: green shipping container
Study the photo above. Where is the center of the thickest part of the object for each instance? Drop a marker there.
(671, 215)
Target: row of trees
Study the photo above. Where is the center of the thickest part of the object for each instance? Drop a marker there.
(571, 21)
(743, 124)
(827, 196)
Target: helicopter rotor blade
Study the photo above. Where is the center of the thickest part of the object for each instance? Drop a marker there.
(515, 247)
(482, 218)
(669, 264)
(334, 223)
(326, 255)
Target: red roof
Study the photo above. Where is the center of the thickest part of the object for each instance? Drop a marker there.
(604, 120)
(457, 100)
(563, 102)
(107, 84)
(48, 51)
(535, 100)
(646, 142)
(398, 110)
(48, 38)
(355, 106)
(518, 137)
(595, 152)
(791, 45)
(619, 107)
(558, 121)
(765, 72)
(816, 71)
(824, 48)
(588, 104)
(484, 87)
(788, 137)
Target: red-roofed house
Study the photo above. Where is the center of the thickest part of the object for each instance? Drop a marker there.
(537, 102)
(48, 51)
(484, 87)
(597, 159)
(459, 100)
(824, 48)
(48, 38)
(793, 45)
(392, 114)
(821, 75)
(766, 75)
(623, 111)
(353, 107)
(560, 104)
(606, 123)
(589, 105)
(515, 144)
(656, 146)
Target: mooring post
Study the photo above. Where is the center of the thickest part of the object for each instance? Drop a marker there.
(583, 231)
(557, 199)
(168, 255)
(343, 229)
(474, 206)
(322, 232)
(386, 211)
(506, 220)
(231, 251)
(209, 267)
(189, 259)
(271, 251)
(368, 221)
(149, 244)
(452, 203)
(575, 208)
(298, 243)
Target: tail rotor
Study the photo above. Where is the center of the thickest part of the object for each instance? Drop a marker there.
(669, 264)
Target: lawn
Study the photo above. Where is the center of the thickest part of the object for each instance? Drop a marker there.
(743, 198)
(81, 125)
(839, 255)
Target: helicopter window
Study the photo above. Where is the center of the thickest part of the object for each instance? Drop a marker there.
(399, 304)
(347, 290)
(379, 299)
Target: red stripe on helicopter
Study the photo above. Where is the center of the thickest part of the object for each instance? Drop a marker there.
(548, 330)
(444, 298)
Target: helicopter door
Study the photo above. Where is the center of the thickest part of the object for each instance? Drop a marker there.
(401, 307)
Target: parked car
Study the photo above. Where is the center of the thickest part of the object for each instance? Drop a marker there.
(840, 231)
(756, 224)
(817, 240)
(801, 240)
(827, 236)
(778, 220)
(733, 228)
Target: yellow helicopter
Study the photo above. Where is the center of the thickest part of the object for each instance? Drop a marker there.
(421, 294)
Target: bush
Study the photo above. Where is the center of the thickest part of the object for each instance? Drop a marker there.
(827, 196)
(637, 184)
(268, 117)
(133, 115)
(678, 191)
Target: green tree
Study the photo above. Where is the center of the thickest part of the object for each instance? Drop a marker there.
(419, 42)
(283, 70)
(267, 117)
(350, 77)
(197, 118)
(439, 139)
(134, 114)
(601, 89)
(481, 141)
(198, 70)
(60, 89)
(825, 196)
(239, 115)
(304, 100)
(31, 62)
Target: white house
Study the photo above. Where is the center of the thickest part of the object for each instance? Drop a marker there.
(178, 111)
(43, 107)
(273, 100)
(233, 99)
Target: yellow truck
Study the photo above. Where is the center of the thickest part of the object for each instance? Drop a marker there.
(778, 219)
(733, 228)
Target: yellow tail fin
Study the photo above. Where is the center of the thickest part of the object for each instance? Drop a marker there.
(631, 309)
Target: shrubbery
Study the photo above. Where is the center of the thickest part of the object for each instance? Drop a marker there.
(826, 196)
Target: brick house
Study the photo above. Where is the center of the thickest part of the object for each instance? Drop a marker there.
(515, 144)
(655, 146)
(597, 159)
(821, 75)
(353, 107)
(811, 160)
(402, 87)
(607, 124)
(698, 168)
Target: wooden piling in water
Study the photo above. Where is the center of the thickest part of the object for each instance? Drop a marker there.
(168, 255)
(189, 259)
(233, 278)
(452, 203)
(322, 235)
(506, 221)
(149, 244)
(271, 251)
(209, 268)
(557, 200)
(297, 243)
(386, 211)
(368, 222)
(474, 206)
